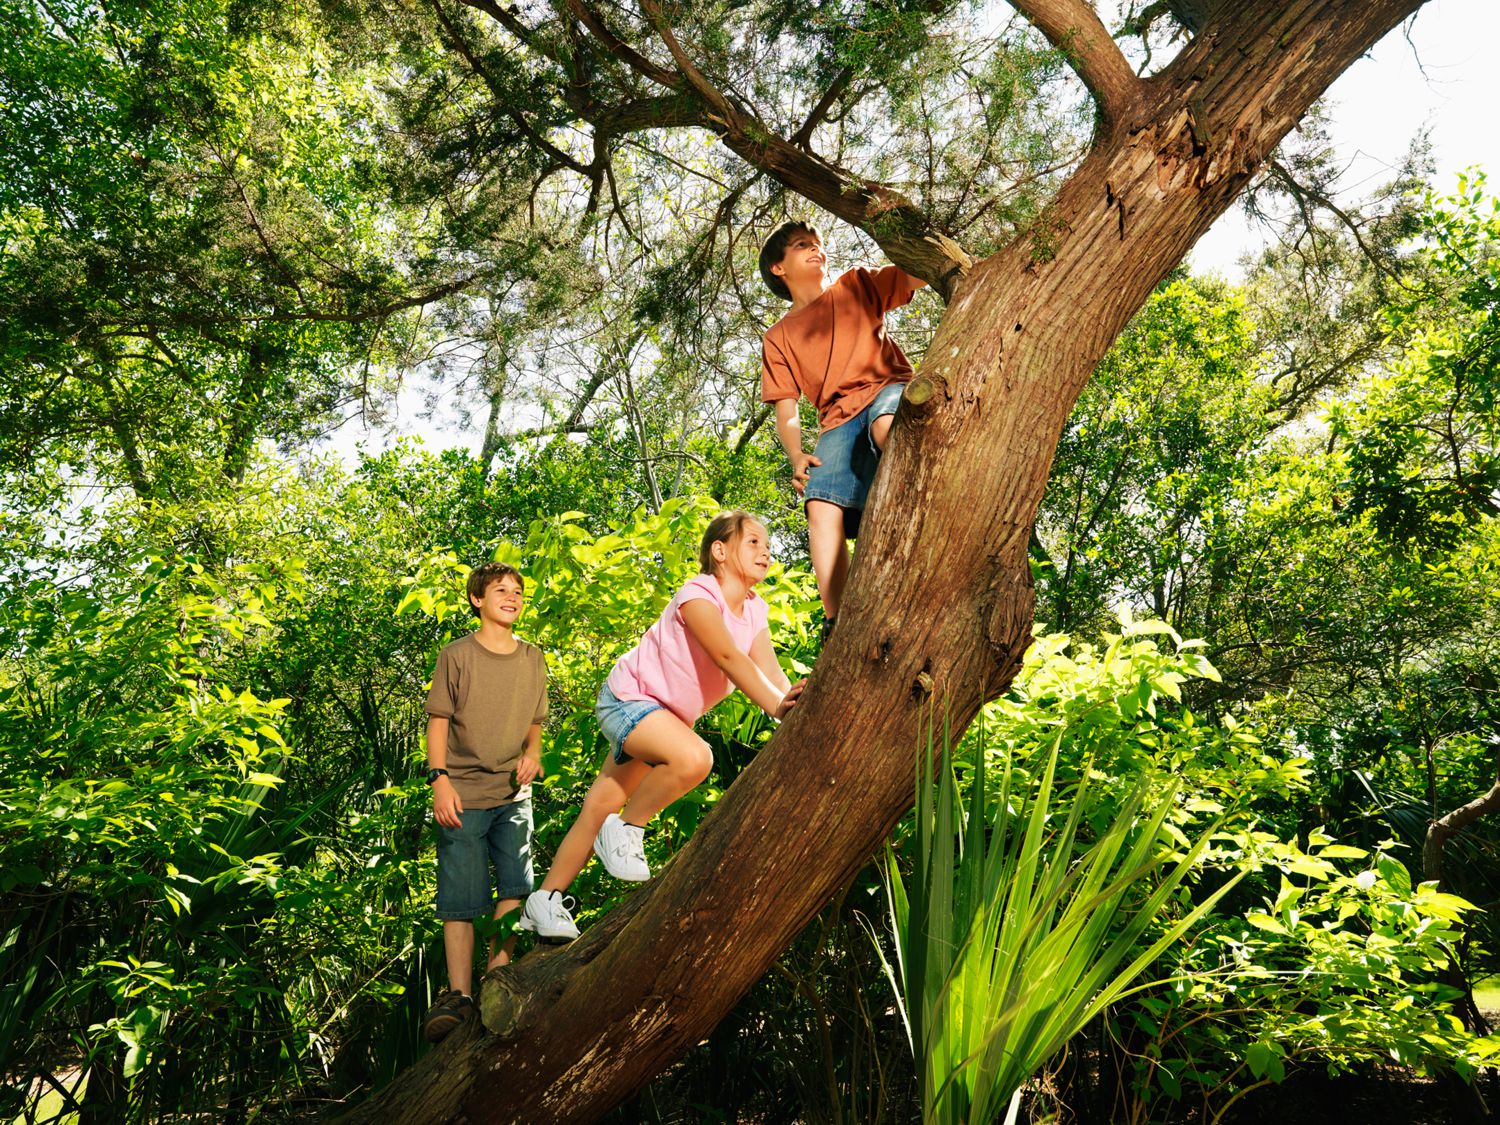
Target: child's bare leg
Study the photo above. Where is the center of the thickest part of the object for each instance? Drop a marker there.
(501, 950)
(880, 429)
(458, 947)
(830, 554)
(679, 761)
(611, 789)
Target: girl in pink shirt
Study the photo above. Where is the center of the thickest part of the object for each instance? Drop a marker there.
(713, 637)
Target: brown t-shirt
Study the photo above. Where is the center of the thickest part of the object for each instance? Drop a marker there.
(835, 351)
(490, 702)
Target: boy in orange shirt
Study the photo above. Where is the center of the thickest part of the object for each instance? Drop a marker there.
(832, 348)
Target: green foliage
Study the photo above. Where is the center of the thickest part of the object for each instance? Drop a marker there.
(1145, 471)
(212, 831)
(1421, 441)
(1015, 928)
(1346, 596)
(135, 873)
(200, 241)
(1334, 967)
(1343, 960)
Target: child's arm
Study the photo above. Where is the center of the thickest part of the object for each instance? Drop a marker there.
(702, 619)
(529, 768)
(447, 809)
(789, 430)
(764, 655)
(887, 288)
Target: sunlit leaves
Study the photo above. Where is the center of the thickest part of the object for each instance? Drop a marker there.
(1422, 443)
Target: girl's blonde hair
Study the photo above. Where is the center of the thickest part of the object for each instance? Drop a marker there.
(723, 528)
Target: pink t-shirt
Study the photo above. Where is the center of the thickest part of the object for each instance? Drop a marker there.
(670, 667)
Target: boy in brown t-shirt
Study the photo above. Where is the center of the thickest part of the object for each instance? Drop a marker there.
(484, 737)
(832, 348)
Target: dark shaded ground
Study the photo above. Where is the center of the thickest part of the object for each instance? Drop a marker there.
(710, 1089)
(1388, 1096)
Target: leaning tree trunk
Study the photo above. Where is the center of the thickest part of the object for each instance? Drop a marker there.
(939, 606)
(1444, 828)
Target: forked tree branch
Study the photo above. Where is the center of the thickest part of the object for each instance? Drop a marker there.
(695, 77)
(803, 136)
(896, 223)
(621, 49)
(1074, 28)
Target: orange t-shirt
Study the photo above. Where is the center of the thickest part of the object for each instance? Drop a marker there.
(835, 351)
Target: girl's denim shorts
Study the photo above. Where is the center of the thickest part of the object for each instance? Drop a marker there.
(618, 717)
(849, 457)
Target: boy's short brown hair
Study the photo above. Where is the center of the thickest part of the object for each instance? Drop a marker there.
(485, 575)
(775, 249)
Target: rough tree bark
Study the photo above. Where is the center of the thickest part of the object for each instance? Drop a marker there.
(939, 606)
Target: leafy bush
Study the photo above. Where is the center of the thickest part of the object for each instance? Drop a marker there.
(1339, 963)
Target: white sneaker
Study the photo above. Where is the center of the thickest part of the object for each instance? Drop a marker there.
(621, 848)
(548, 915)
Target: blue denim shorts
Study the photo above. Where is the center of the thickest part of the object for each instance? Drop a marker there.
(850, 457)
(618, 717)
(500, 837)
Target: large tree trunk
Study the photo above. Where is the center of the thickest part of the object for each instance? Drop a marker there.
(939, 606)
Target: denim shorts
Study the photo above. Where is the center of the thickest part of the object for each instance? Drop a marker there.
(849, 457)
(500, 837)
(618, 717)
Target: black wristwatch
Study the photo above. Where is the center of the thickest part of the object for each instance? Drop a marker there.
(434, 774)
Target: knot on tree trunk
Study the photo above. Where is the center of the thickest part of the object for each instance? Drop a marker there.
(922, 392)
(503, 1007)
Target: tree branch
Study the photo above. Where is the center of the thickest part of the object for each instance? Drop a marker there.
(621, 49)
(695, 77)
(753, 427)
(803, 136)
(507, 19)
(893, 221)
(666, 112)
(1306, 193)
(502, 96)
(898, 225)
(1074, 28)
(1445, 827)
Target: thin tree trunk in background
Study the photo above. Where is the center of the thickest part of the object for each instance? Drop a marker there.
(1444, 828)
(939, 605)
(1440, 830)
(491, 444)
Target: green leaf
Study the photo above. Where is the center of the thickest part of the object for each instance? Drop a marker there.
(1259, 1057)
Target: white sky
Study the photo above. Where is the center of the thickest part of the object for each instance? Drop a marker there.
(1446, 78)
